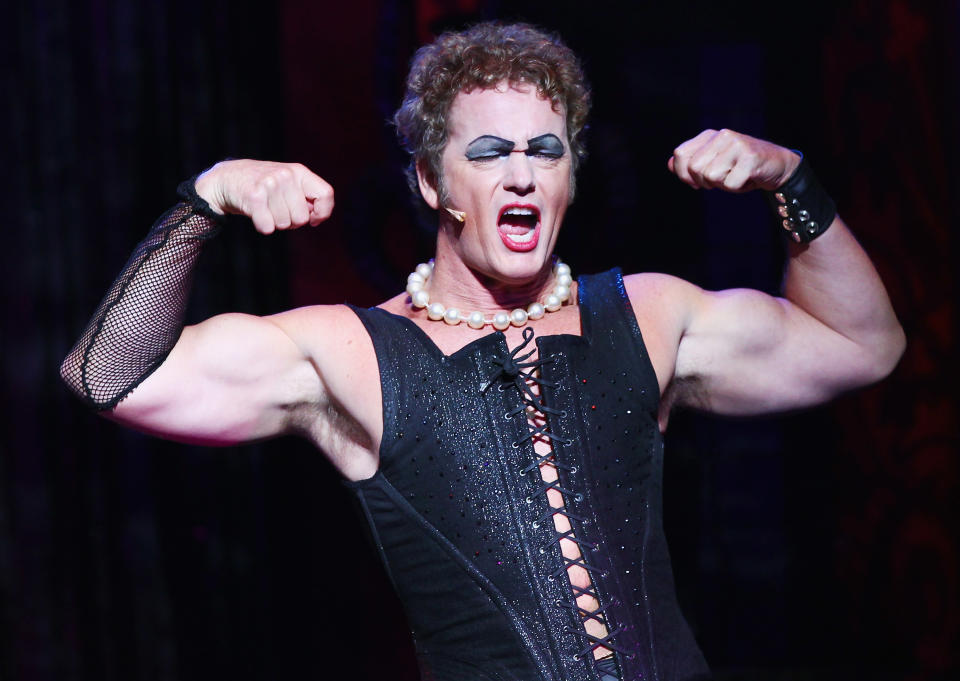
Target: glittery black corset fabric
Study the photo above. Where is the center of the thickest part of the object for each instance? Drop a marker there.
(457, 513)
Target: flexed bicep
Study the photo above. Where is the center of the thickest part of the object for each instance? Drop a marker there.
(136, 337)
(233, 378)
(746, 352)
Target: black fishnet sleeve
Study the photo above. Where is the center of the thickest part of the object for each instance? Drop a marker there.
(140, 319)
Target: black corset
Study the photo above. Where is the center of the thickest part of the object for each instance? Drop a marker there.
(460, 515)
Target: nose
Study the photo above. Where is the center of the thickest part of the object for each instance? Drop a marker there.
(519, 176)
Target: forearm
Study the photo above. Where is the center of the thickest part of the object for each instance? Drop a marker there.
(140, 319)
(833, 280)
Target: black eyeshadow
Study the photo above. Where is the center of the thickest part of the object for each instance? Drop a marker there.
(548, 145)
(488, 146)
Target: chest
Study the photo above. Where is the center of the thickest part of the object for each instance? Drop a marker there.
(482, 397)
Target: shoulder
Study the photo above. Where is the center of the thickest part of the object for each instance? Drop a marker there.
(664, 306)
(657, 283)
(334, 339)
(662, 298)
(326, 324)
(336, 325)
(346, 421)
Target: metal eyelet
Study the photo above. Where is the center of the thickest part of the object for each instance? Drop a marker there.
(563, 414)
(576, 657)
(557, 602)
(578, 497)
(529, 500)
(535, 524)
(542, 550)
(573, 470)
(550, 578)
(568, 442)
(516, 445)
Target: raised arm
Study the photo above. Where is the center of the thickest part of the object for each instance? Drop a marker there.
(744, 352)
(232, 378)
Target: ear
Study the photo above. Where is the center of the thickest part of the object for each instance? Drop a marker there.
(428, 184)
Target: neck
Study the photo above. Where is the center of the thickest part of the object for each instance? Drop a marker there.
(456, 285)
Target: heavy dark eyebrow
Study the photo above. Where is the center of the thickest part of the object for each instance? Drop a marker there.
(485, 145)
(548, 143)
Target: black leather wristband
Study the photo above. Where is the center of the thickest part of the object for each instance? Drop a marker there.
(803, 207)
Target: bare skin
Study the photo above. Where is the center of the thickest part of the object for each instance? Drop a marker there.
(313, 371)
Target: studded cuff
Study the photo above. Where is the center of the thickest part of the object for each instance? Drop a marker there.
(802, 205)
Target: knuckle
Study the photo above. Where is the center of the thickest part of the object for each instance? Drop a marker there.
(256, 194)
(283, 173)
(713, 174)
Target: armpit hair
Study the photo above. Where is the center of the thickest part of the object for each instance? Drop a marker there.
(688, 391)
(328, 425)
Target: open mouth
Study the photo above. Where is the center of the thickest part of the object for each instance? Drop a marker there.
(519, 226)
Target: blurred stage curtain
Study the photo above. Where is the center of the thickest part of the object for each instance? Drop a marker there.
(821, 546)
(119, 555)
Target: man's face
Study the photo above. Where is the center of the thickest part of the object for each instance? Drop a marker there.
(507, 166)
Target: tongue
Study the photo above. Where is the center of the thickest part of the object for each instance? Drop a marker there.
(508, 228)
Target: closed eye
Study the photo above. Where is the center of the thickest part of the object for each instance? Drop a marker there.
(487, 148)
(544, 153)
(488, 155)
(546, 146)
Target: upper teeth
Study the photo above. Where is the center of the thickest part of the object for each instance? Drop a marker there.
(518, 211)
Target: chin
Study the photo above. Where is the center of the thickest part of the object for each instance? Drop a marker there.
(520, 268)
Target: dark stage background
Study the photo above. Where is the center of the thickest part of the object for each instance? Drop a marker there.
(823, 545)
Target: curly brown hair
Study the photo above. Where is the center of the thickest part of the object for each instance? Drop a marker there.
(481, 57)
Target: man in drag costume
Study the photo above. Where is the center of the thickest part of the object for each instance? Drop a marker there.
(499, 422)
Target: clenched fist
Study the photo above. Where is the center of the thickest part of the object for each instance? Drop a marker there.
(273, 195)
(731, 161)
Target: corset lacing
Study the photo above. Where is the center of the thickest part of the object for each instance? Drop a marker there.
(516, 371)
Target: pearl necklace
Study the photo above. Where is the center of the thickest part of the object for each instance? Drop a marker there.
(416, 288)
